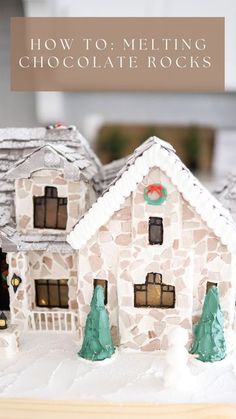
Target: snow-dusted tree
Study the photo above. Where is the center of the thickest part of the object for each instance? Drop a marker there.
(176, 373)
(97, 344)
(209, 342)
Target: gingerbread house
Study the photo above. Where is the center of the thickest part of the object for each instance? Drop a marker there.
(144, 228)
(50, 177)
(156, 240)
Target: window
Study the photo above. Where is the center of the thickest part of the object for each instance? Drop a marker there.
(210, 285)
(154, 293)
(103, 283)
(155, 230)
(50, 211)
(51, 293)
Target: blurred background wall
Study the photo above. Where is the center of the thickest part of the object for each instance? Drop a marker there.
(201, 126)
(15, 108)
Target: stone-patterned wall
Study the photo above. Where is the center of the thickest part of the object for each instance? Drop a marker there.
(190, 256)
(212, 262)
(147, 328)
(80, 196)
(39, 265)
(19, 301)
(99, 261)
(54, 266)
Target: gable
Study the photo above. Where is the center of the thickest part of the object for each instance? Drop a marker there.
(155, 153)
(47, 157)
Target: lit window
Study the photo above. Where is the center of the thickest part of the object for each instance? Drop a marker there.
(154, 293)
(51, 293)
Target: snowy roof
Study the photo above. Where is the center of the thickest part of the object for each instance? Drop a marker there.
(226, 193)
(110, 171)
(155, 153)
(16, 144)
(74, 164)
(19, 139)
(16, 241)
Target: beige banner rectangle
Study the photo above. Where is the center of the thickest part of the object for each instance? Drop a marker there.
(117, 54)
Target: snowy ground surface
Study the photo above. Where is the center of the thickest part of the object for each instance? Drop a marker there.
(48, 367)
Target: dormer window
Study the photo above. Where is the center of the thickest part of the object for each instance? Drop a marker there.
(50, 211)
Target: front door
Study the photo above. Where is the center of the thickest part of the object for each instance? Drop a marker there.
(4, 294)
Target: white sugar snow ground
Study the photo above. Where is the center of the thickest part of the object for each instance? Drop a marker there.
(48, 367)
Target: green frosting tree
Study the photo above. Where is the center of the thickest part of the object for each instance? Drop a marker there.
(209, 341)
(97, 344)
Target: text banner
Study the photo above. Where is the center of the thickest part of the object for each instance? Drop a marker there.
(117, 54)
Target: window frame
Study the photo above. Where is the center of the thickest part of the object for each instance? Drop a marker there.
(49, 283)
(50, 193)
(155, 280)
(155, 222)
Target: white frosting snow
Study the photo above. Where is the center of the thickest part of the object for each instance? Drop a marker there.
(48, 367)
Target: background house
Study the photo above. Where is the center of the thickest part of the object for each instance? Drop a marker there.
(44, 193)
(170, 115)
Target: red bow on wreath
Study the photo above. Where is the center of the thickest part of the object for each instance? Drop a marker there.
(156, 188)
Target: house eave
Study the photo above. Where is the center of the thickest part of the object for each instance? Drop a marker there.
(156, 154)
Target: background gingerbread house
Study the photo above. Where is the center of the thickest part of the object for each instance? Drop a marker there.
(50, 177)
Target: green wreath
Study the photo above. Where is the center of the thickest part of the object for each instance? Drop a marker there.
(155, 187)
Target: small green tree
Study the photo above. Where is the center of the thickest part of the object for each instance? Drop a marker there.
(209, 341)
(97, 343)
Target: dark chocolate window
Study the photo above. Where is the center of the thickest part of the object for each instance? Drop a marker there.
(154, 293)
(51, 293)
(50, 211)
(155, 230)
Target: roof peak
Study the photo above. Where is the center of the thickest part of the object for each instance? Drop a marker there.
(155, 152)
(163, 143)
(151, 141)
